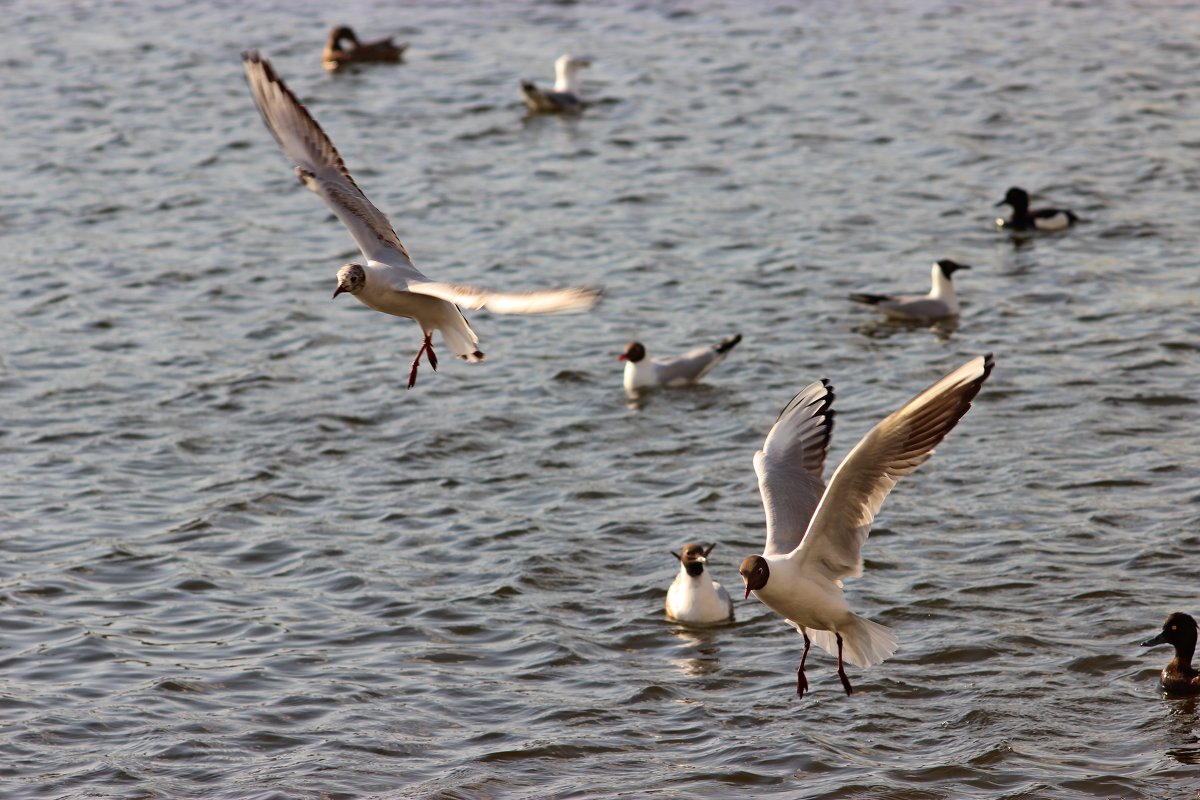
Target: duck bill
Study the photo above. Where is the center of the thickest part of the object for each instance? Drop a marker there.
(1156, 640)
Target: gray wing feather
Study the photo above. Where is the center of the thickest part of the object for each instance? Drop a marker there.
(791, 466)
(893, 448)
(320, 166)
(918, 306)
(687, 368)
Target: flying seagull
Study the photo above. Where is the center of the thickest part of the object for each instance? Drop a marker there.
(388, 281)
(815, 532)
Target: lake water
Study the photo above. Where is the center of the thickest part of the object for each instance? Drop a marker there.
(240, 560)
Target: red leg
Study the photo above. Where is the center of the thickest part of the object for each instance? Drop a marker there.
(427, 347)
(841, 669)
(801, 680)
(432, 356)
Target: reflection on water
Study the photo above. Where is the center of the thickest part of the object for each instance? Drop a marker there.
(1184, 723)
(887, 327)
(705, 646)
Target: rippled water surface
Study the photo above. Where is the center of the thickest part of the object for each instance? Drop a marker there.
(240, 560)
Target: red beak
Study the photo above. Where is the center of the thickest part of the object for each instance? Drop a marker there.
(338, 290)
(622, 357)
(747, 597)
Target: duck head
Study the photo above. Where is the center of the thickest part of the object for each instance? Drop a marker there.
(342, 34)
(1017, 198)
(1179, 630)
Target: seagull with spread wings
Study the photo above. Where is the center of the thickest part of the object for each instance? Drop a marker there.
(388, 281)
(815, 532)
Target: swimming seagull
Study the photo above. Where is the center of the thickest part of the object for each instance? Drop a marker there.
(815, 532)
(939, 303)
(388, 281)
(643, 373)
(565, 96)
(694, 597)
(1039, 219)
(381, 51)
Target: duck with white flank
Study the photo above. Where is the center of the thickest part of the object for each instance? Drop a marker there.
(815, 532)
(694, 597)
(1179, 677)
(938, 304)
(564, 98)
(1039, 219)
(647, 373)
(336, 55)
(388, 281)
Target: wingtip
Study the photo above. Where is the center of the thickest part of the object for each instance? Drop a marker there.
(827, 398)
(587, 298)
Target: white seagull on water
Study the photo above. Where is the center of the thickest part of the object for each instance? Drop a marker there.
(651, 373)
(388, 281)
(815, 532)
(941, 301)
(694, 597)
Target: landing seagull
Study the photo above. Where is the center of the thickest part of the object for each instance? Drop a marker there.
(939, 303)
(648, 373)
(815, 532)
(564, 99)
(388, 282)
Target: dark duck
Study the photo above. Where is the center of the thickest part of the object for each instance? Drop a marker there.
(1038, 219)
(1179, 677)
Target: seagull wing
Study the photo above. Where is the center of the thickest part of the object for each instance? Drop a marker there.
(545, 301)
(320, 167)
(895, 447)
(791, 466)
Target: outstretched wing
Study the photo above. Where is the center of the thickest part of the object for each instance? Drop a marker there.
(791, 466)
(545, 301)
(319, 166)
(893, 449)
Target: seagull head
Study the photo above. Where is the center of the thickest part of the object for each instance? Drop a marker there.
(566, 63)
(754, 572)
(634, 352)
(1016, 197)
(693, 557)
(351, 278)
(949, 267)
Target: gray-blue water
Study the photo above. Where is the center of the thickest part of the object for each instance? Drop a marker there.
(240, 560)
